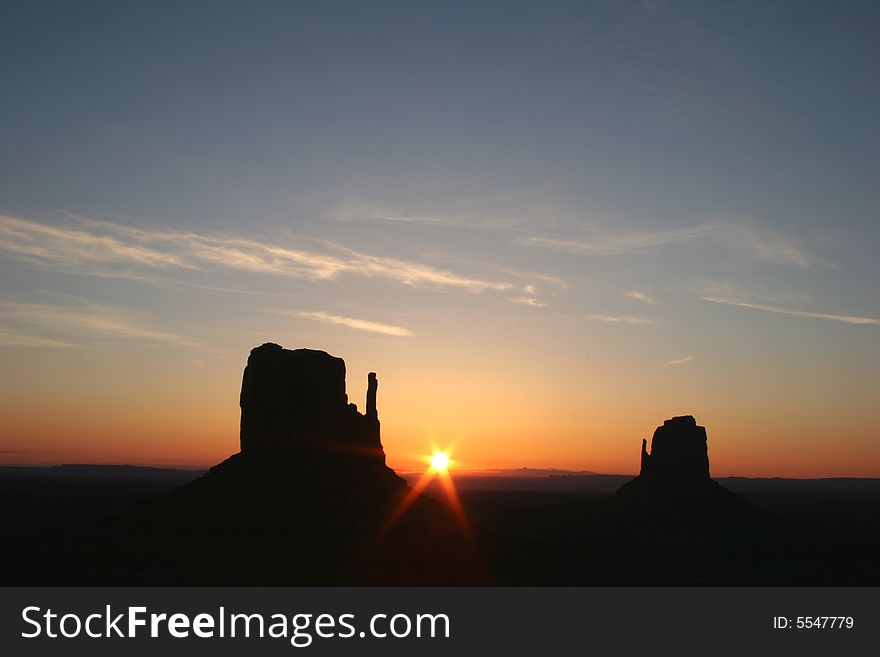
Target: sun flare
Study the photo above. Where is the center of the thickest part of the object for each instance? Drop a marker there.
(439, 461)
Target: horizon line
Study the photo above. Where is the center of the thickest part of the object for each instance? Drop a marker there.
(486, 472)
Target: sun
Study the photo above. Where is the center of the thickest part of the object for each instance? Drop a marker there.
(439, 461)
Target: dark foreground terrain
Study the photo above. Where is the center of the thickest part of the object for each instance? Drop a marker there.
(62, 525)
(824, 532)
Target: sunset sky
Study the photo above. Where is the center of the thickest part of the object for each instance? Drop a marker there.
(547, 226)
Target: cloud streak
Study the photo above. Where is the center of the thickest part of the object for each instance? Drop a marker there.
(600, 243)
(357, 324)
(744, 237)
(528, 301)
(679, 361)
(640, 296)
(93, 242)
(13, 338)
(846, 319)
(72, 321)
(71, 246)
(465, 216)
(621, 319)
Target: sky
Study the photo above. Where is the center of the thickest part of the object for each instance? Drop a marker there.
(547, 226)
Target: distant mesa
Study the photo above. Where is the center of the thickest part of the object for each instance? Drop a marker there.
(679, 451)
(674, 482)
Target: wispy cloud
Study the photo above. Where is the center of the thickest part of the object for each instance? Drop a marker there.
(679, 361)
(76, 321)
(528, 301)
(846, 319)
(72, 246)
(599, 243)
(640, 296)
(462, 216)
(530, 293)
(358, 324)
(13, 338)
(92, 242)
(743, 236)
(325, 260)
(369, 212)
(620, 319)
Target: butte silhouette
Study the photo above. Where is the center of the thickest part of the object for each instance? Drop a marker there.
(298, 430)
(674, 485)
(306, 501)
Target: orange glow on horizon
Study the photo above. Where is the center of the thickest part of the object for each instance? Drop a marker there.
(78, 409)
